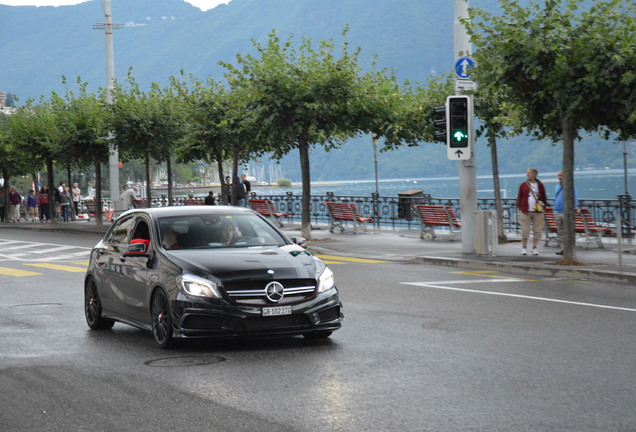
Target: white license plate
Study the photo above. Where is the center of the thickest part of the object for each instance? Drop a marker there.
(276, 311)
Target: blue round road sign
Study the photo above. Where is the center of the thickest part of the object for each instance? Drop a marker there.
(464, 67)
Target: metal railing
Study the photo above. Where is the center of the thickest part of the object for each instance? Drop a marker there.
(395, 211)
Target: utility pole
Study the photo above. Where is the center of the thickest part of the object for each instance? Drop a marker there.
(467, 168)
(113, 153)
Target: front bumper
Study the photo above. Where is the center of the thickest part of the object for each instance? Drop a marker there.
(203, 318)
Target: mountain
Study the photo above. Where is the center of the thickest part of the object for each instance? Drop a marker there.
(159, 38)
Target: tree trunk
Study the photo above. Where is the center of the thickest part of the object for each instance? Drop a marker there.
(69, 183)
(306, 188)
(98, 193)
(169, 169)
(235, 177)
(148, 179)
(568, 237)
(219, 163)
(492, 142)
(50, 178)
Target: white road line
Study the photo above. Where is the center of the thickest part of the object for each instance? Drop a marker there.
(437, 286)
(468, 281)
(56, 249)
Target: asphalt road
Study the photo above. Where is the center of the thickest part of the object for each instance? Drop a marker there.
(423, 348)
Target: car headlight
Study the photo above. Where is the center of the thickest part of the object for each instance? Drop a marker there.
(197, 286)
(326, 280)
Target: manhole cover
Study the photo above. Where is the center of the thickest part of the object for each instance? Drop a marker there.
(185, 361)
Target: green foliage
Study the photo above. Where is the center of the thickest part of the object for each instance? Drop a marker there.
(283, 182)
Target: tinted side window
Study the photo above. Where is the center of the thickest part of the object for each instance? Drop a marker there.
(121, 230)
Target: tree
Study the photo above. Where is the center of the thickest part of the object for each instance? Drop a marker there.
(564, 70)
(33, 132)
(147, 125)
(299, 98)
(82, 127)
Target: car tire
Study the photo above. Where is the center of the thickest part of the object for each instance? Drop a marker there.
(317, 335)
(93, 307)
(161, 319)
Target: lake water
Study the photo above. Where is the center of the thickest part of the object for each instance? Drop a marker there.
(596, 184)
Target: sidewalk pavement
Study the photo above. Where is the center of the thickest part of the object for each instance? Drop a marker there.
(406, 246)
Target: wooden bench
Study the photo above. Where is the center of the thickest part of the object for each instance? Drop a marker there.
(91, 209)
(140, 203)
(340, 213)
(435, 216)
(583, 224)
(266, 208)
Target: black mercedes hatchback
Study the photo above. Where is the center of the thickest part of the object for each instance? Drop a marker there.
(207, 271)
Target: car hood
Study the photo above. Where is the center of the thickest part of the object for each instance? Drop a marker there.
(228, 265)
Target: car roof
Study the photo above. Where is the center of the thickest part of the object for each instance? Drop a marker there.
(158, 212)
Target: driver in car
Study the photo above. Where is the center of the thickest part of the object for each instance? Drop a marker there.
(169, 239)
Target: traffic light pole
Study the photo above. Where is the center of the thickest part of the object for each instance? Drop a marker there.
(467, 168)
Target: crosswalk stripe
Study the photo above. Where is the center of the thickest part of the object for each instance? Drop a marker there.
(17, 272)
(59, 267)
(56, 249)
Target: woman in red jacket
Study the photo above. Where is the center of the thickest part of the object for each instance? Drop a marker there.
(530, 214)
(43, 203)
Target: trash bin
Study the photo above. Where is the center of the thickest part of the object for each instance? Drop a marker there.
(406, 199)
(486, 240)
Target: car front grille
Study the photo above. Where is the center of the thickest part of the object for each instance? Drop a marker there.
(254, 292)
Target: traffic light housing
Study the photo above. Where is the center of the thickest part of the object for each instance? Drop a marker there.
(459, 118)
(439, 124)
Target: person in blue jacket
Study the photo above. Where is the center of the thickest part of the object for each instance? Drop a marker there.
(559, 216)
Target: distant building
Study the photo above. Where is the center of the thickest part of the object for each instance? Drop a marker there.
(5, 109)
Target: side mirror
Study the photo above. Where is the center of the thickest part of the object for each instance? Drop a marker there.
(300, 241)
(135, 249)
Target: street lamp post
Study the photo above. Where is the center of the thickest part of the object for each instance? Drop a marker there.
(113, 153)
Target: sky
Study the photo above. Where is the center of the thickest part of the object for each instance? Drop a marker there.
(201, 4)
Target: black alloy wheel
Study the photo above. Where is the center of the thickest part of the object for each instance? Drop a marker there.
(161, 319)
(93, 307)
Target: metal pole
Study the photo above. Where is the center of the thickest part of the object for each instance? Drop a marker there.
(625, 167)
(467, 168)
(113, 153)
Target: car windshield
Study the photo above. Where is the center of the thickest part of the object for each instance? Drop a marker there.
(217, 231)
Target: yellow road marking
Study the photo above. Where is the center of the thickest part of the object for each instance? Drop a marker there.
(59, 267)
(484, 273)
(361, 260)
(332, 262)
(17, 272)
(84, 263)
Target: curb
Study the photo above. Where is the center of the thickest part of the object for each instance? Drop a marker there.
(581, 273)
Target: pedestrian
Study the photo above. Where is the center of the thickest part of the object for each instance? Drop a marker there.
(2, 202)
(559, 216)
(209, 200)
(240, 193)
(43, 203)
(77, 196)
(15, 200)
(228, 189)
(57, 194)
(531, 200)
(32, 205)
(65, 203)
(248, 188)
(129, 197)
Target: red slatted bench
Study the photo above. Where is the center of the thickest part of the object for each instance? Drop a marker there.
(91, 209)
(194, 201)
(434, 216)
(266, 208)
(341, 213)
(584, 225)
(140, 203)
